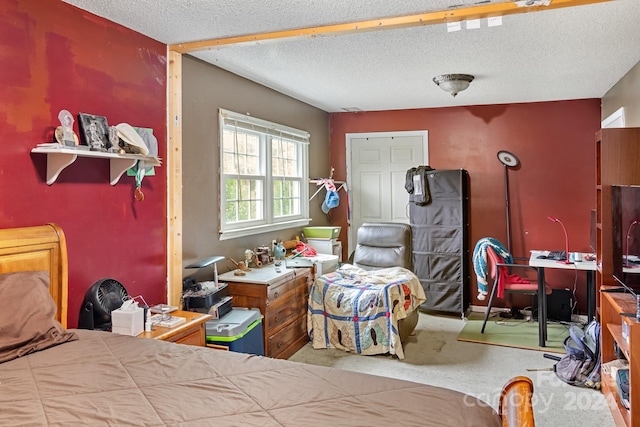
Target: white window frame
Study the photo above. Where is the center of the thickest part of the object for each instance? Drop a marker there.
(268, 131)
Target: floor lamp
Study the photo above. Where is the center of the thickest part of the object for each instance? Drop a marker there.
(509, 160)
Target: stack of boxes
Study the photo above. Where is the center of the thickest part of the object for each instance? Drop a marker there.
(324, 240)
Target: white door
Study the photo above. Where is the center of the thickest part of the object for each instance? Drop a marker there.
(377, 164)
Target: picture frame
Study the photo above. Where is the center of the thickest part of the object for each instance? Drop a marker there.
(94, 131)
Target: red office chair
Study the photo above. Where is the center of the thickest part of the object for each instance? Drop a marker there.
(504, 281)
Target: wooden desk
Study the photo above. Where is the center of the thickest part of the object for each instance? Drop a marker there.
(192, 332)
(540, 264)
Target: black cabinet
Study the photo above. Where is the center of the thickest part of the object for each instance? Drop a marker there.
(440, 241)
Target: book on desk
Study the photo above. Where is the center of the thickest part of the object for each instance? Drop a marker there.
(166, 321)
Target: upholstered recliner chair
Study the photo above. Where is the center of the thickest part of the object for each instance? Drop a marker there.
(370, 305)
(383, 245)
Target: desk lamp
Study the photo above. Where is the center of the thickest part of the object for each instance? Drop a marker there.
(566, 239)
(205, 262)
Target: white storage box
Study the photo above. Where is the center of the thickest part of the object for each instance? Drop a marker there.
(324, 263)
(128, 321)
(326, 246)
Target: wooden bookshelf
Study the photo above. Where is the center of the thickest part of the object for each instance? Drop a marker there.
(612, 305)
(617, 163)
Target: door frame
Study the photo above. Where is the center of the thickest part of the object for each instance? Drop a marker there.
(348, 136)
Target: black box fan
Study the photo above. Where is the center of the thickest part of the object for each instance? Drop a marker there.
(100, 300)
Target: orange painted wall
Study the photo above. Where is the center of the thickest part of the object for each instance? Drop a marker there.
(55, 56)
(555, 144)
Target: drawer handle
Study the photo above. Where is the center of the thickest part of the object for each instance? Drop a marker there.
(276, 295)
(276, 320)
(279, 344)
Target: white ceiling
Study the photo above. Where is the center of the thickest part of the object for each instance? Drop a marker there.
(572, 53)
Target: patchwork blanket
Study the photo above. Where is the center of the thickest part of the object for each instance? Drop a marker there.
(357, 310)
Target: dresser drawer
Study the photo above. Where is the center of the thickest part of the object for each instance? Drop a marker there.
(192, 336)
(300, 279)
(283, 311)
(280, 290)
(281, 343)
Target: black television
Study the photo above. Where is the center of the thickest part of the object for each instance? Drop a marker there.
(625, 224)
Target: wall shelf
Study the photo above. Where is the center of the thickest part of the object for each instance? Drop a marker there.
(60, 158)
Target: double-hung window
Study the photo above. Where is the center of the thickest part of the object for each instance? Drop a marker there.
(263, 176)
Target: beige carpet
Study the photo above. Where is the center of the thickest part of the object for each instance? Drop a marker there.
(434, 356)
(517, 333)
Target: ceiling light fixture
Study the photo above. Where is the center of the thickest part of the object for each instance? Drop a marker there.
(453, 83)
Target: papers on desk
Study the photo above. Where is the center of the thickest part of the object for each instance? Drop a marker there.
(298, 262)
(166, 321)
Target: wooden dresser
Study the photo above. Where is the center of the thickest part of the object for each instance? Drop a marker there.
(282, 300)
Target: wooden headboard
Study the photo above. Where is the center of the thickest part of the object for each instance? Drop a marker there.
(40, 248)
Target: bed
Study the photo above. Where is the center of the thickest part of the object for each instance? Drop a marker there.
(63, 377)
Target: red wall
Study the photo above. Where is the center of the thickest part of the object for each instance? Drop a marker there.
(556, 177)
(55, 56)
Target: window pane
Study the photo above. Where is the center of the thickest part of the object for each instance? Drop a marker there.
(243, 200)
(241, 152)
(231, 212)
(277, 189)
(284, 158)
(242, 143)
(286, 198)
(229, 163)
(231, 189)
(252, 165)
(228, 141)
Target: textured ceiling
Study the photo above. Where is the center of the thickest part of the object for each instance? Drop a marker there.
(572, 53)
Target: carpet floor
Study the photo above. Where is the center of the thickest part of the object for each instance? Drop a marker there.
(517, 333)
(433, 355)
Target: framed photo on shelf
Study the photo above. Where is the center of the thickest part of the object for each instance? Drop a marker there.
(95, 131)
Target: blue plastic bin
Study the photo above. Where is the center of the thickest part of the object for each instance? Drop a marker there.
(240, 330)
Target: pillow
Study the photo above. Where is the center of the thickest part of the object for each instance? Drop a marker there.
(27, 318)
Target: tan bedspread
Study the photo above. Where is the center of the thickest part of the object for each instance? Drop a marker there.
(110, 379)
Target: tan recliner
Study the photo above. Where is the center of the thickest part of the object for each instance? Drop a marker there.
(383, 245)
